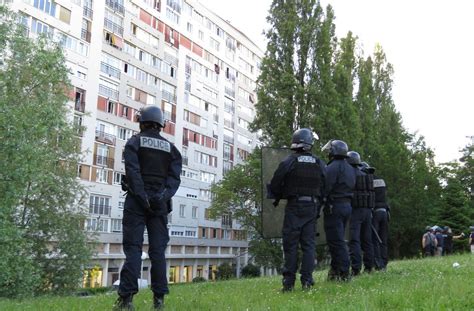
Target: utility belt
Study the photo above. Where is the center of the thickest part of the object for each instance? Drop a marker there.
(303, 198)
(340, 200)
(363, 200)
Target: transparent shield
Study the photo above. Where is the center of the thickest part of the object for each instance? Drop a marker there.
(272, 217)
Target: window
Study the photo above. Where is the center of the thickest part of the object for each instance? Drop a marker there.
(116, 225)
(99, 205)
(39, 28)
(190, 233)
(124, 133)
(189, 27)
(203, 232)
(102, 176)
(181, 210)
(47, 6)
(99, 225)
(214, 233)
(111, 107)
(121, 204)
(194, 213)
(118, 178)
(64, 15)
(125, 111)
(201, 35)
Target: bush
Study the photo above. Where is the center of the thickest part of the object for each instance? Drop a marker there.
(225, 272)
(92, 291)
(199, 279)
(250, 271)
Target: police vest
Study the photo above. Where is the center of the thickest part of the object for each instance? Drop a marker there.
(154, 155)
(380, 191)
(304, 177)
(364, 196)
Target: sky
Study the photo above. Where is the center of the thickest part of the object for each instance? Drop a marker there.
(430, 44)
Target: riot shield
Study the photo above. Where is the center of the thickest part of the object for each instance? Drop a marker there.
(272, 217)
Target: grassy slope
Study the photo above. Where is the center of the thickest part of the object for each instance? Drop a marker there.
(427, 284)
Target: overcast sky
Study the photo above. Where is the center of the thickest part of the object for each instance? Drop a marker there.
(430, 44)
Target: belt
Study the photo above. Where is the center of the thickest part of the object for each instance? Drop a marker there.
(304, 198)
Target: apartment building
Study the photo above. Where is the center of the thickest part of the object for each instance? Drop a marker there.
(125, 54)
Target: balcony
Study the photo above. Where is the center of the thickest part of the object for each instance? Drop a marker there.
(105, 138)
(115, 5)
(185, 160)
(168, 96)
(79, 105)
(108, 92)
(86, 35)
(229, 123)
(100, 209)
(104, 161)
(229, 139)
(87, 12)
(110, 70)
(187, 69)
(113, 27)
(229, 108)
(187, 86)
(229, 92)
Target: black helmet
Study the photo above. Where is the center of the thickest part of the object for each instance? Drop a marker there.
(151, 114)
(353, 158)
(472, 228)
(428, 228)
(303, 139)
(367, 168)
(336, 148)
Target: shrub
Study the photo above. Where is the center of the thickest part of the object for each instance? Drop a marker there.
(199, 279)
(225, 272)
(250, 271)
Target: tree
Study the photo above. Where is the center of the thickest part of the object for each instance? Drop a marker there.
(41, 214)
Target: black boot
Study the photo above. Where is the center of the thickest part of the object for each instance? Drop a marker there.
(332, 275)
(288, 286)
(158, 302)
(123, 303)
(355, 272)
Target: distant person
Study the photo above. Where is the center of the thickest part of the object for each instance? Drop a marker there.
(439, 241)
(448, 241)
(428, 242)
(471, 239)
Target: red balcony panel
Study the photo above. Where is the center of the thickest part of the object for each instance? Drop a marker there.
(185, 42)
(145, 17)
(102, 103)
(197, 49)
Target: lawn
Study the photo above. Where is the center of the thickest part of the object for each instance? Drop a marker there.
(421, 284)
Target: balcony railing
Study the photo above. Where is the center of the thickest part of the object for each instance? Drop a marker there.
(168, 96)
(230, 109)
(114, 5)
(100, 209)
(86, 35)
(110, 70)
(187, 69)
(87, 12)
(230, 92)
(108, 92)
(104, 161)
(229, 139)
(105, 137)
(115, 28)
(187, 86)
(79, 105)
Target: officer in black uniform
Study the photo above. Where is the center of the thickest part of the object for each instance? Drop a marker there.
(152, 170)
(340, 183)
(299, 179)
(380, 219)
(360, 227)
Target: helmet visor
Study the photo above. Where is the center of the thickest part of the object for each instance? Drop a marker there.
(327, 147)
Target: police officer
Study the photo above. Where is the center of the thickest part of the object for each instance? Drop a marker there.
(380, 219)
(299, 179)
(152, 169)
(360, 227)
(340, 182)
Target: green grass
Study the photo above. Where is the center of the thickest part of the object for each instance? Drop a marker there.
(423, 284)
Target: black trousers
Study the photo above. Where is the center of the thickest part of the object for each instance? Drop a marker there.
(135, 219)
(380, 222)
(360, 229)
(335, 220)
(299, 228)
